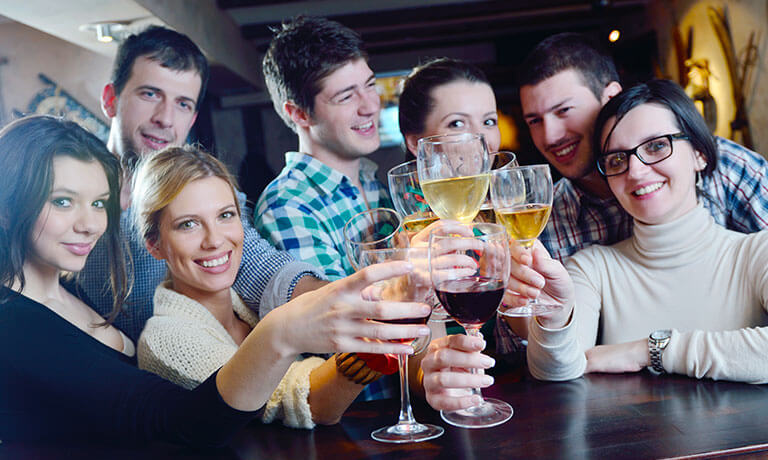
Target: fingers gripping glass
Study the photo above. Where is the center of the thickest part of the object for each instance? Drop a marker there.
(649, 152)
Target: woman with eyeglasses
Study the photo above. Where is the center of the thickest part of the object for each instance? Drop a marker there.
(683, 295)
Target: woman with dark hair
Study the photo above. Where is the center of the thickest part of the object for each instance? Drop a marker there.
(445, 96)
(682, 295)
(69, 375)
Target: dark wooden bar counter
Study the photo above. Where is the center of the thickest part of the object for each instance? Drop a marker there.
(599, 416)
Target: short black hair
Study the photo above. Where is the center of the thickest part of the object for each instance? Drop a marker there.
(171, 49)
(303, 51)
(566, 51)
(670, 95)
(27, 149)
(416, 96)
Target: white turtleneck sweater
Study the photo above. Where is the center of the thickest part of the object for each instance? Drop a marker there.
(708, 284)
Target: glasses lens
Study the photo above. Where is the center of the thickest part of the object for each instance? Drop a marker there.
(614, 163)
(655, 149)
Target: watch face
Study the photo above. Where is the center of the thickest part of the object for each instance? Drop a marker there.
(661, 335)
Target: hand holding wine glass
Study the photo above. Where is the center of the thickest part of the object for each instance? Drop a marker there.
(470, 274)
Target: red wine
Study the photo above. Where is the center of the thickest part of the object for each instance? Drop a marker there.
(471, 300)
(404, 321)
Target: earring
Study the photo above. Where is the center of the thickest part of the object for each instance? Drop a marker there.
(698, 180)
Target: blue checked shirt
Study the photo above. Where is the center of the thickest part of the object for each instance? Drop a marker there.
(736, 194)
(304, 210)
(265, 280)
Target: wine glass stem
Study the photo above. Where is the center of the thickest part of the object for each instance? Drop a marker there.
(406, 414)
(529, 250)
(474, 332)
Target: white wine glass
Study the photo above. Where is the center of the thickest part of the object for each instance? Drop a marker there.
(469, 273)
(415, 286)
(522, 198)
(499, 159)
(453, 171)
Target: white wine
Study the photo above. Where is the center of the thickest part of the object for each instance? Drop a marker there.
(524, 222)
(457, 198)
(417, 222)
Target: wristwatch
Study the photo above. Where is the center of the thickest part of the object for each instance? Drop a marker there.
(657, 342)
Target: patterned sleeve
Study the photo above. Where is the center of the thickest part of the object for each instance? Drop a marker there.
(741, 186)
(267, 276)
(294, 227)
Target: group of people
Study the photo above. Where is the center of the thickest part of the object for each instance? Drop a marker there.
(141, 298)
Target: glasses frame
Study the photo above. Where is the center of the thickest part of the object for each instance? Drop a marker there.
(633, 151)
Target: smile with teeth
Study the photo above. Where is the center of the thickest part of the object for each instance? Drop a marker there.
(155, 139)
(566, 151)
(364, 126)
(648, 189)
(215, 262)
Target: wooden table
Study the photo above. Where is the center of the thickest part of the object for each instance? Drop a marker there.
(599, 416)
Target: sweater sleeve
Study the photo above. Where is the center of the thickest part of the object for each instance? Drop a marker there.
(289, 402)
(736, 355)
(558, 354)
(61, 384)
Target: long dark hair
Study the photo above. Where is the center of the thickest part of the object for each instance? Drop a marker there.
(27, 149)
(667, 94)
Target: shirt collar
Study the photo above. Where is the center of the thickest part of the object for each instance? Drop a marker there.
(325, 177)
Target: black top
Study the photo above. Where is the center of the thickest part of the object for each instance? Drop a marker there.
(57, 383)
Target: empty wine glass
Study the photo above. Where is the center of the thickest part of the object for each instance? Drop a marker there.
(469, 273)
(522, 198)
(377, 228)
(499, 159)
(412, 287)
(453, 171)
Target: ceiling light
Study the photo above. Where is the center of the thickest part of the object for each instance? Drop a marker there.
(107, 32)
(614, 35)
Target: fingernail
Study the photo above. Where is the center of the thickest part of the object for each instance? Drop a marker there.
(487, 380)
(426, 310)
(483, 344)
(488, 361)
(424, 331)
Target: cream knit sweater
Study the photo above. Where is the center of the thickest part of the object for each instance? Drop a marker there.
(708, 284)
(184, 343)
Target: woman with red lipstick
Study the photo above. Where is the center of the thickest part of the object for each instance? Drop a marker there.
(682, 295)
(186, 209)
(68, 374)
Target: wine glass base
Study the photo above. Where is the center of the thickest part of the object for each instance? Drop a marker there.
(490, 413)
(533, 309)
(407, 432)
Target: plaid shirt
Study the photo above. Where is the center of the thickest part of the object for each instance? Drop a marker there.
(304, 210)
(736, 194)
(265, 280)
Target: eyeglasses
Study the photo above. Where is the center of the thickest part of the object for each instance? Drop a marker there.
(649, 152)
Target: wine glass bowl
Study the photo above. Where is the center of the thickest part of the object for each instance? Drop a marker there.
(469, 273)
(499, 159)
(522, 198)
(408, 198)
(377, 228)
(453, 171)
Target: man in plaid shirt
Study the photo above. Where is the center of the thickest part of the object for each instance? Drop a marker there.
(564, 83)
(318, 77)
(158, 79)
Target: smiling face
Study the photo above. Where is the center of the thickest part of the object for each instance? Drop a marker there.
(560, 112)
(658, 193)
(74, 216)
(346, 114)
(156, 108)
(201, 238)
(462, 107)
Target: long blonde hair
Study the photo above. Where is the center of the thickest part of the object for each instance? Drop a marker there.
(162, 176)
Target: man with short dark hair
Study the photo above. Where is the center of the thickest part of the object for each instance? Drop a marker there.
(317, 74)
(564, 82)
(158, 81)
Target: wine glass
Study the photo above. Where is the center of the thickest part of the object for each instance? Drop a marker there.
(469, 273)
(453, 171)
(412, 287)
(522, 198)
(405, 190)
(406, 194)
(377, 228)
(499, 159)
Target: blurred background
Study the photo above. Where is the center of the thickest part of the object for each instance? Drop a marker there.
(56, 56)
